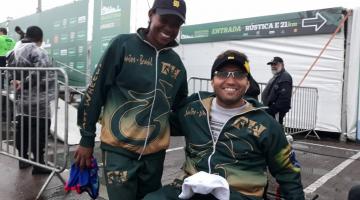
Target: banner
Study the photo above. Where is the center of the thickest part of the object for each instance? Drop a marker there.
(111, 17)
(323, 21)
(65, 37)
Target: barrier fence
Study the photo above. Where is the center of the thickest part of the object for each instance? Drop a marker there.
(302, 115)
(42, 93)
(29, 119)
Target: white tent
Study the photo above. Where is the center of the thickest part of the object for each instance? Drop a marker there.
(335, 75)
(351, 87)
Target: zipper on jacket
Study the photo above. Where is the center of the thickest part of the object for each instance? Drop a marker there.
(211, 133)
(152, 104)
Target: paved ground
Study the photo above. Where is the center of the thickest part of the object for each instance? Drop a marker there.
(329, 169)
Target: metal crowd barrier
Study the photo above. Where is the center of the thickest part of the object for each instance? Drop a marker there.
(22, 136)
(302, 115)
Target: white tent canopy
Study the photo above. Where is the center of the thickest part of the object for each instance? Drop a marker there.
(335, 75)
(298, 54)
(351, 88)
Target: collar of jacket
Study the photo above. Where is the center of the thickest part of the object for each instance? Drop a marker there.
(206, 99)
(26, 40)
(141, 32)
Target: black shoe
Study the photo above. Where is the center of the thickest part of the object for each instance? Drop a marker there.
(23, 165)
(39, 170)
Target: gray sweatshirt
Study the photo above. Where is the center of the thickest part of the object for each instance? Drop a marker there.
(33, 99)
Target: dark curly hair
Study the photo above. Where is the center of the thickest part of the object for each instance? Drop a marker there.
(34, 34)
(3, 30)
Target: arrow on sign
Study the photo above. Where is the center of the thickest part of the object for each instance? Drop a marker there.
(318, 21)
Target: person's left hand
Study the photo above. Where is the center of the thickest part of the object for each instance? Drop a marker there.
(16, 84)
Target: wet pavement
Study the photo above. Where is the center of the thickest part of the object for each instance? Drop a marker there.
(329, 169)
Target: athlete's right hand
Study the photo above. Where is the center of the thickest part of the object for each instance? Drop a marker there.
(83, 156)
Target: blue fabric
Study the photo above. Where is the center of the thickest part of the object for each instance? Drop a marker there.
(293, 159)
(84, 180)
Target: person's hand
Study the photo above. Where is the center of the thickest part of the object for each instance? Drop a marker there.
(16, 84)
(83, 156)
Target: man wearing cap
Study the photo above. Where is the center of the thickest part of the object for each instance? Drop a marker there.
(35, 90)
(230, 142)
(139, 80)
(277, 93)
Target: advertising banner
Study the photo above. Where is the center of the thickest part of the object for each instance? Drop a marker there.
(65, 37)
(290, 24)
(111, 17)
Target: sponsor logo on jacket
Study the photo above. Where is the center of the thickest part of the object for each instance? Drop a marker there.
(169, 69)
(254, 127)
(190, 111)
(140, 60)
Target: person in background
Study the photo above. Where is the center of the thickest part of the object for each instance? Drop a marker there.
(19, 31)
(140, 79)
(278, 91)
(6, 45)
(33, 118)
(230, 142)
(21, 34)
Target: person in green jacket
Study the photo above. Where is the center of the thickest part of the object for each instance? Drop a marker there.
(6, 45)
(139, 80)
(230, 142)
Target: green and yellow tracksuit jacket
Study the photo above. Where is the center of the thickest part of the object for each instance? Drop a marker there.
(248, 143)
(135, 87)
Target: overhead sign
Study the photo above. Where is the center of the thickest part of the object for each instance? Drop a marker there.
(317, 22)
(323, 21)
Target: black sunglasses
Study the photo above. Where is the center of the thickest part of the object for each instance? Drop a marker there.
(236, 75)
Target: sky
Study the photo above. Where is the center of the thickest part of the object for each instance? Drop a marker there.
(20, 8)
(198, 11)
